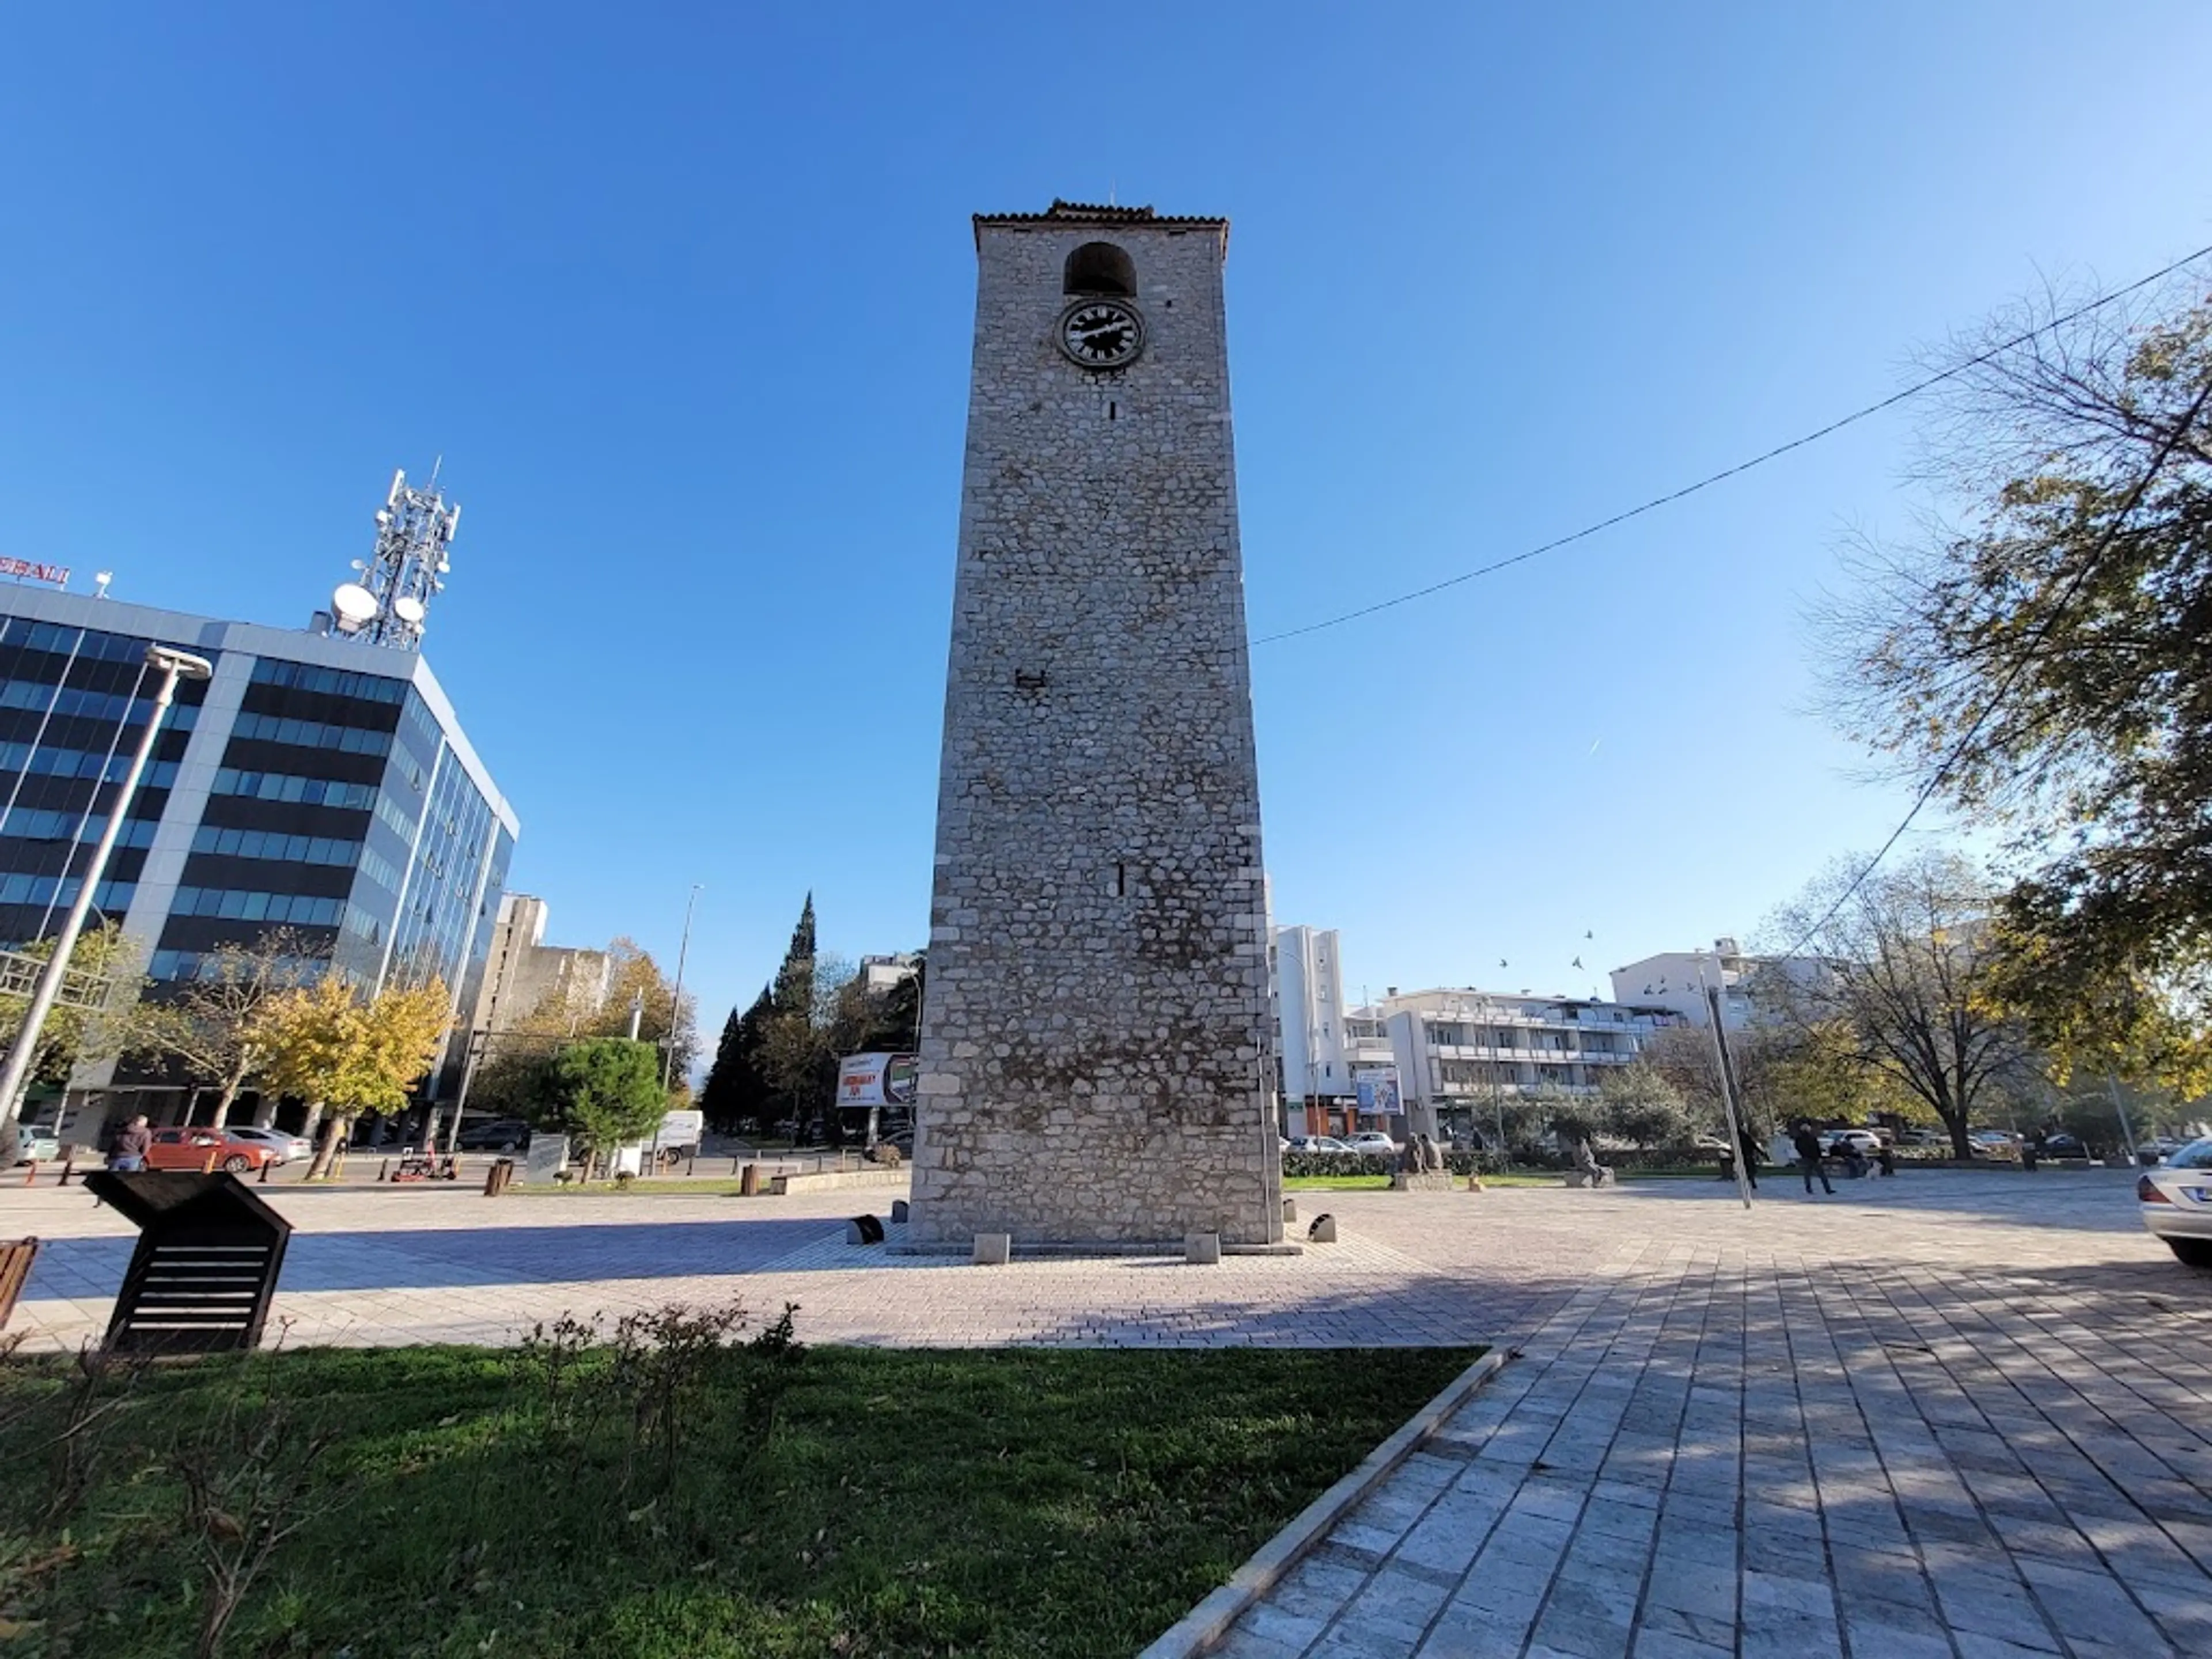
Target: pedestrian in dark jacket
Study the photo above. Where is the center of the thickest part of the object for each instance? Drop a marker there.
(1749, 1142)
(128, 1149)
(1807, 1145)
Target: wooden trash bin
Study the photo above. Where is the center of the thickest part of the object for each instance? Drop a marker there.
(209, 1253)
(498, 1175)
(16, 1255)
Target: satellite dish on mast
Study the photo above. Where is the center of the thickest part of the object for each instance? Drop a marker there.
(354, 605)
(409, 610)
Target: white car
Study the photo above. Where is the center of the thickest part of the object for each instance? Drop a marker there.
(288, 1148)
(2175, 1201)
(1374, 1142)
(1328, 1143)
(1838, 1142)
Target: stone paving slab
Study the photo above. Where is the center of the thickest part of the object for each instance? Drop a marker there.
(1902, 1430)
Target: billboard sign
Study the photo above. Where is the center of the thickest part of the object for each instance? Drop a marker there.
(1378, 1091)
(878, 1079)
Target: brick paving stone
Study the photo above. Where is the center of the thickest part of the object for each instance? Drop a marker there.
(1772, 1434)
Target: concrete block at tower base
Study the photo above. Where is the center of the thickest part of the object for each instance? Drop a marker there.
(1201, 1250)
(994, 1249)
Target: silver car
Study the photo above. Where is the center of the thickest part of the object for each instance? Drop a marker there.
(288, 1148)
(2175, 1201)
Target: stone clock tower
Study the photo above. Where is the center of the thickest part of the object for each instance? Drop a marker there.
(1096, 1057)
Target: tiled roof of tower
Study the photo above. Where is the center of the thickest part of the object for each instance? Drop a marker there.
(1093, 213)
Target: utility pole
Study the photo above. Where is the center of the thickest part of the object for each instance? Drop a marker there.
(1728, 1085)
(676, 996)
(174, 665)
(2127, 1132)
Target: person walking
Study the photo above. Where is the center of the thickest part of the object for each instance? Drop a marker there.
(1807, 1145)
(1749, 1142)
(127, 1151)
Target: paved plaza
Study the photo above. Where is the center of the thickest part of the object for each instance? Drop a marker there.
(1955, 1414)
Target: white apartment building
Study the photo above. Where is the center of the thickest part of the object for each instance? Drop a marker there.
(1460, 1053)
(1677, 979)
(1323, 1048)
(1444, 1056)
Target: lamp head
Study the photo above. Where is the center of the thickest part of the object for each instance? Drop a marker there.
(186, 666)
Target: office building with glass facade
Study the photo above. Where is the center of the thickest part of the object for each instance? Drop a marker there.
(315, 783)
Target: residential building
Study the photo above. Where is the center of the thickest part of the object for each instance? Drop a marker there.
(1431, 1060)
(1458, 1053)
(883, 974)
(1679, 980)
(523, 975)
(316, 783)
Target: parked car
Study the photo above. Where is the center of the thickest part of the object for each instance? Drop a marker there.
(2157, 1148)
(2063, 1146)
(190, 1147)
(1994, 1143)
(37, 1143)
(1923, 1137)
(289, 1148)
(1328, 1143)
(2175, 1202)
(498, 1134)
(1839, 1143)
(1374, 1142)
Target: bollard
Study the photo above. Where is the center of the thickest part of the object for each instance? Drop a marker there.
(384, 1168)
(208, 1168)
(1323, 1230)
(261, 1180)
(497, 1176)
(899, 1212)
(736, 1164)
(31, 1173)
(691, 1167)
(1290, 1209)
(69, 1168)
(864, 1230)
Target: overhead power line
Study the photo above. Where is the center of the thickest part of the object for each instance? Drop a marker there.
(1726, 473)
(2112, 531)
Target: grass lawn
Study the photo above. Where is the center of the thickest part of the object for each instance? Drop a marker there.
(865, 1501)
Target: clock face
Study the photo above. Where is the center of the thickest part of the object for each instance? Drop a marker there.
(1100, 333)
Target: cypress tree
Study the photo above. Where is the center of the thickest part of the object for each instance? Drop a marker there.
(794, 980)
(736, 1095)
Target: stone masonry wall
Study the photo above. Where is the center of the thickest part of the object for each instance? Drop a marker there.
(1096, 1058)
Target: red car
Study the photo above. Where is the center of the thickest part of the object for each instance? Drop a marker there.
(191, 1148)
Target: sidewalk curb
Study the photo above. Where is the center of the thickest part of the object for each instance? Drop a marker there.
(1197, 1631)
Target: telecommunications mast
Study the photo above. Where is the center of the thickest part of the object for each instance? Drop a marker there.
(388, 602)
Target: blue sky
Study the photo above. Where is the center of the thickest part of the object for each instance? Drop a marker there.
(683, 295)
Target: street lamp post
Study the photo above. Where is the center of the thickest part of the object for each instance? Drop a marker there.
(1735, 1134)
(174, 665)
(676, 996)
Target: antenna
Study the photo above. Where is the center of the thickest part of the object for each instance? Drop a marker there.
(387, 601)
(100, 581)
